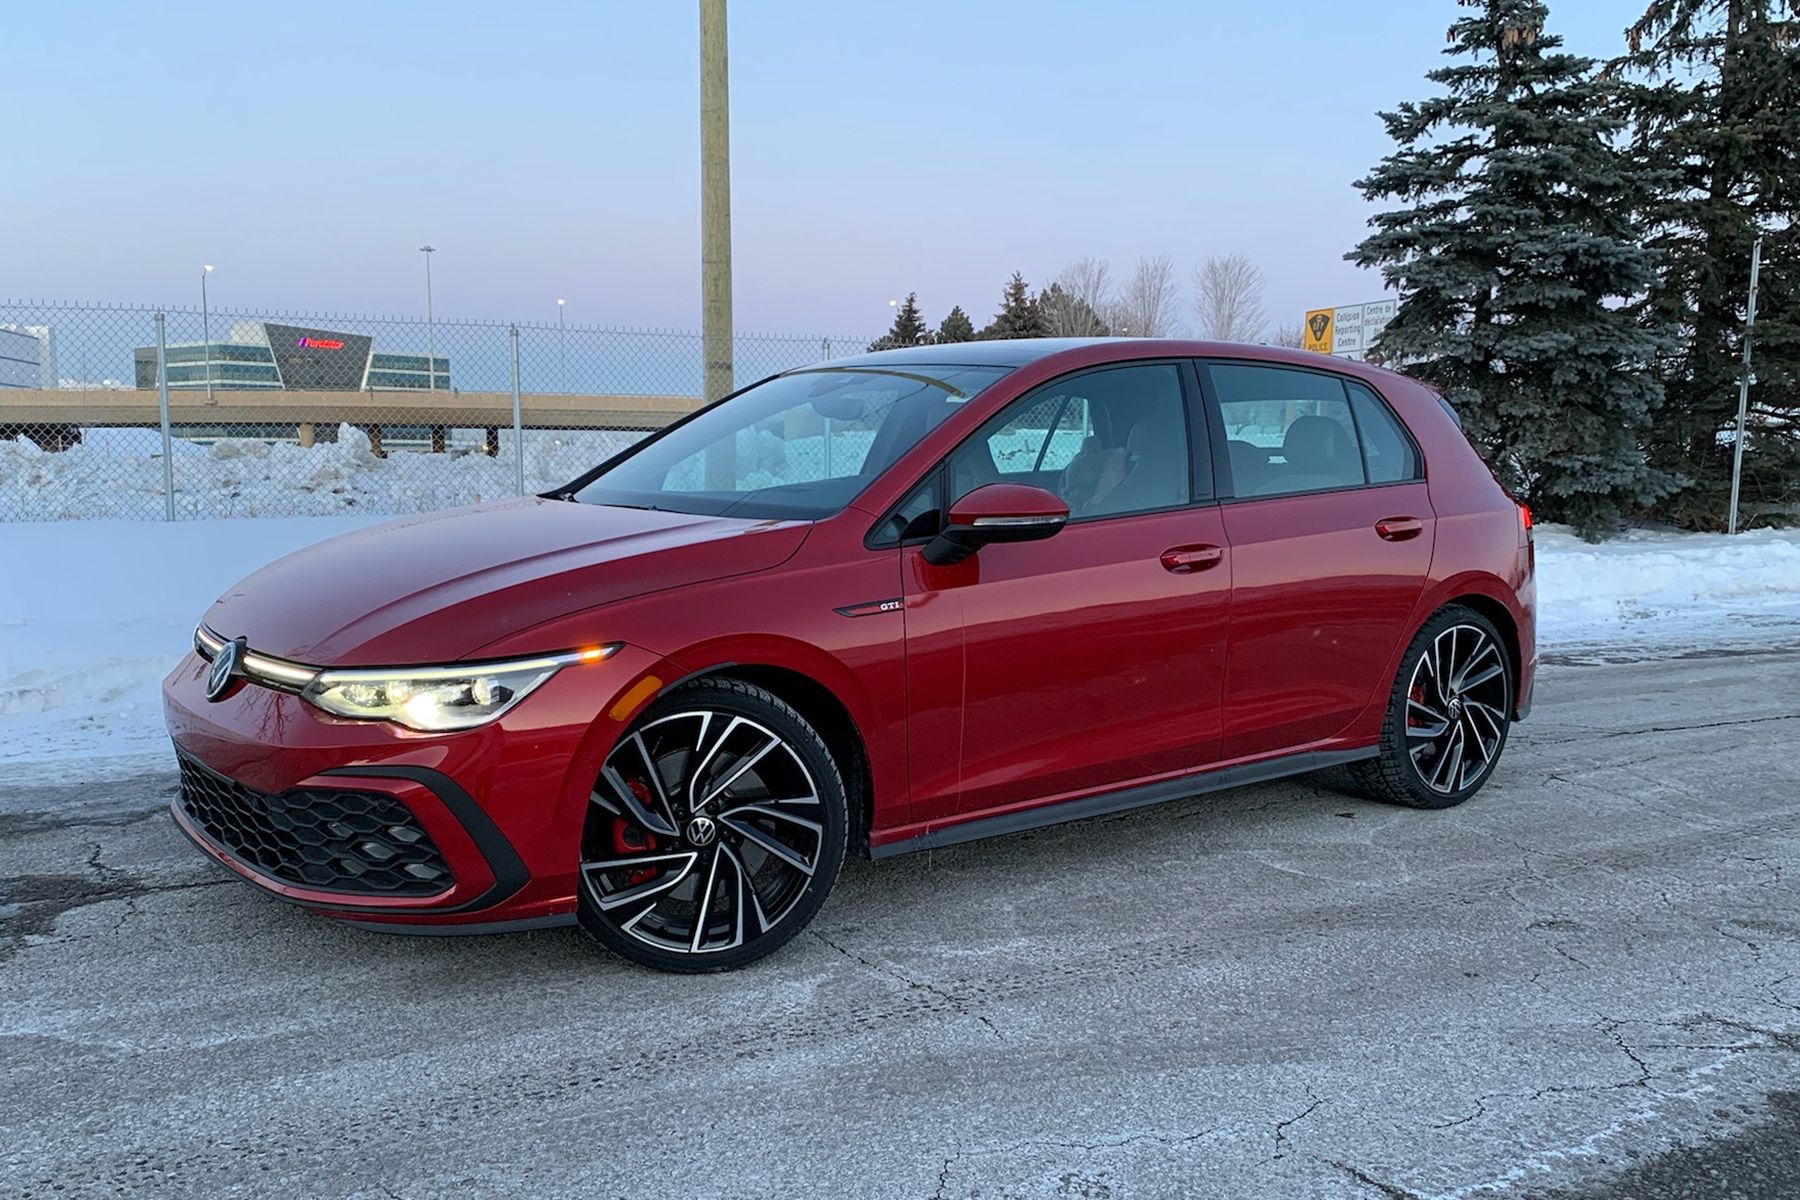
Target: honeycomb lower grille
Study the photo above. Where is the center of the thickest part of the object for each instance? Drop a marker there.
(339, 841)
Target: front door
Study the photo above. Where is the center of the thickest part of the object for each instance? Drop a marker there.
(1095, 658)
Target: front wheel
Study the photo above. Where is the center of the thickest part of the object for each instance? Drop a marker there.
(717, 828)
(1448, 714)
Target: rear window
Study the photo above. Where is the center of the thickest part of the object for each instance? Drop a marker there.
(1289, 430)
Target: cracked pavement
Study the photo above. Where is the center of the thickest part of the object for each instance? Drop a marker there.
(1584, 983)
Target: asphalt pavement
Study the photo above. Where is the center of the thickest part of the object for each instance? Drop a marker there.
(1584, 983)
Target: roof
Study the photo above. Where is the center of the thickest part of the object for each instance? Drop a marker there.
(1019, 352)
(1002, 352)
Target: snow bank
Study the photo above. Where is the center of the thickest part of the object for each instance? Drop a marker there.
(94, 613)
(1666, 587)
(119, 473)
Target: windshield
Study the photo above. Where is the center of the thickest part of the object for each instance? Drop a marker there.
(800, 445)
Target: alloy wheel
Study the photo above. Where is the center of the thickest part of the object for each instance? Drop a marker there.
(1456, 709)
(708, 830)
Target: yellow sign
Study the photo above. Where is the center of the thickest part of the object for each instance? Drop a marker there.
(1316, 333)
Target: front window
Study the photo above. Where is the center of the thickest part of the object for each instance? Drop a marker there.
(1109, 442)
(801, 445)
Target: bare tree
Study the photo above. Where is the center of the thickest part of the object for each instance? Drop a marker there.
(1147, 305)
(1228, 299)
(1077, 301)
(1290, 335)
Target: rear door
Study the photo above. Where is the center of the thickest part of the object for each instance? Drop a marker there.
(1324, 504)
(1094, 658)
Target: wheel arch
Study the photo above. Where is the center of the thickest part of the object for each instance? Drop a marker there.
(1503, 620)
(1483, 593)
(829, 715)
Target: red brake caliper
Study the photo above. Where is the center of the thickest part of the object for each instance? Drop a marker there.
(629, 838)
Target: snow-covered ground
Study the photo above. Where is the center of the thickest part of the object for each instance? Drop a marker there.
(119, 473)
(94, 613)
(1667, 589)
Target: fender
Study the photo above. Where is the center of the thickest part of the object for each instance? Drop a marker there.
(883, 738)
(884, 745)
(1436, 594)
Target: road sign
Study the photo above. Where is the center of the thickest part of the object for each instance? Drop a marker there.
(1316, 332)
(1346, 331)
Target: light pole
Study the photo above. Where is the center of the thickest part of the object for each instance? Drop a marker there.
(206, 331)
(430, 326)
(562, 347)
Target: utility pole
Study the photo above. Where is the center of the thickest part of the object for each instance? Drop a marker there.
(430, 325)
(1744, 382)
(562, 349)
(715, 228)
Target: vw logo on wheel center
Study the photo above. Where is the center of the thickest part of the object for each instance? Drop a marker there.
(225, 667)
(701, 831)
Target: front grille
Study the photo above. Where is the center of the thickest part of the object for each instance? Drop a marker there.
(338, 841)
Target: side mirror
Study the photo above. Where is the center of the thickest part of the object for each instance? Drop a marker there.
(996, 512)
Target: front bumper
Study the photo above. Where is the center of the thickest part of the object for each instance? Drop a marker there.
(501, 805)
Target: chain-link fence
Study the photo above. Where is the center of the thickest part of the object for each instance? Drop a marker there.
(298, 414)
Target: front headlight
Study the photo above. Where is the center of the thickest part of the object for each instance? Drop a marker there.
(437, 699)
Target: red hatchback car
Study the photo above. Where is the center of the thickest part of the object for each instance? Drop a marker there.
(883, 604)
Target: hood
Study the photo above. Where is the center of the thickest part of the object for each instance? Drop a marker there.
(433, 588)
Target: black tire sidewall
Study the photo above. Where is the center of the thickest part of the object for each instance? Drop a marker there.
(735, 697)
(1393, 733)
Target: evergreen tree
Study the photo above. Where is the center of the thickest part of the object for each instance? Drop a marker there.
(1018, 316)
(1715, 106)
(956, 327)
(1514, 249)
(1064, 314)
(909, 327)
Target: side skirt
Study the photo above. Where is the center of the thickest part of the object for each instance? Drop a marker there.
(549, 921)
(1123, 799)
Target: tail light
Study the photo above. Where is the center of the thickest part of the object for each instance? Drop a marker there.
(1524, 517)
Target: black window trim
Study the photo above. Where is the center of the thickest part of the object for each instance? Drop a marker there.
(1221, 454)
(1201, 429)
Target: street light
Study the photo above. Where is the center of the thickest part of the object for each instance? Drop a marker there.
(562, 347)
(206, 331)
(430, 326)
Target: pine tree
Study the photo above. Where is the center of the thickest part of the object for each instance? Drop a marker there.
(1715, 105)
(909, 328)
(1064, 314)
(1018, 316)
(1514, 250)
(956, 327)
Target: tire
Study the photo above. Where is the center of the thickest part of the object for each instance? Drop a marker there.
(718, 787)
(1447, 716)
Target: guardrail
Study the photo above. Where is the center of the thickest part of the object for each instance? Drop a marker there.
(37, 407)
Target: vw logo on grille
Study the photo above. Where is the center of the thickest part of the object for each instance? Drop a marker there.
(701, 831)
(226, 665)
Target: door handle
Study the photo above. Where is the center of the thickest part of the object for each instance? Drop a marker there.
(1184, 560)
(1398, 529)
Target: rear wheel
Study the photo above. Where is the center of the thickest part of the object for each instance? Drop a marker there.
(716, 831)
(1448, 715)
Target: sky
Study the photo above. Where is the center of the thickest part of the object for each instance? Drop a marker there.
(551, 149)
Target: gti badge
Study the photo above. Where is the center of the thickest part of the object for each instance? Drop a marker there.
(226, 665)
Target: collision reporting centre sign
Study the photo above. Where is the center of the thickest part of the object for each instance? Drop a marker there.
(1346, 331)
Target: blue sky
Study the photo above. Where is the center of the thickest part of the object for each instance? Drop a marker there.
(551, 149)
